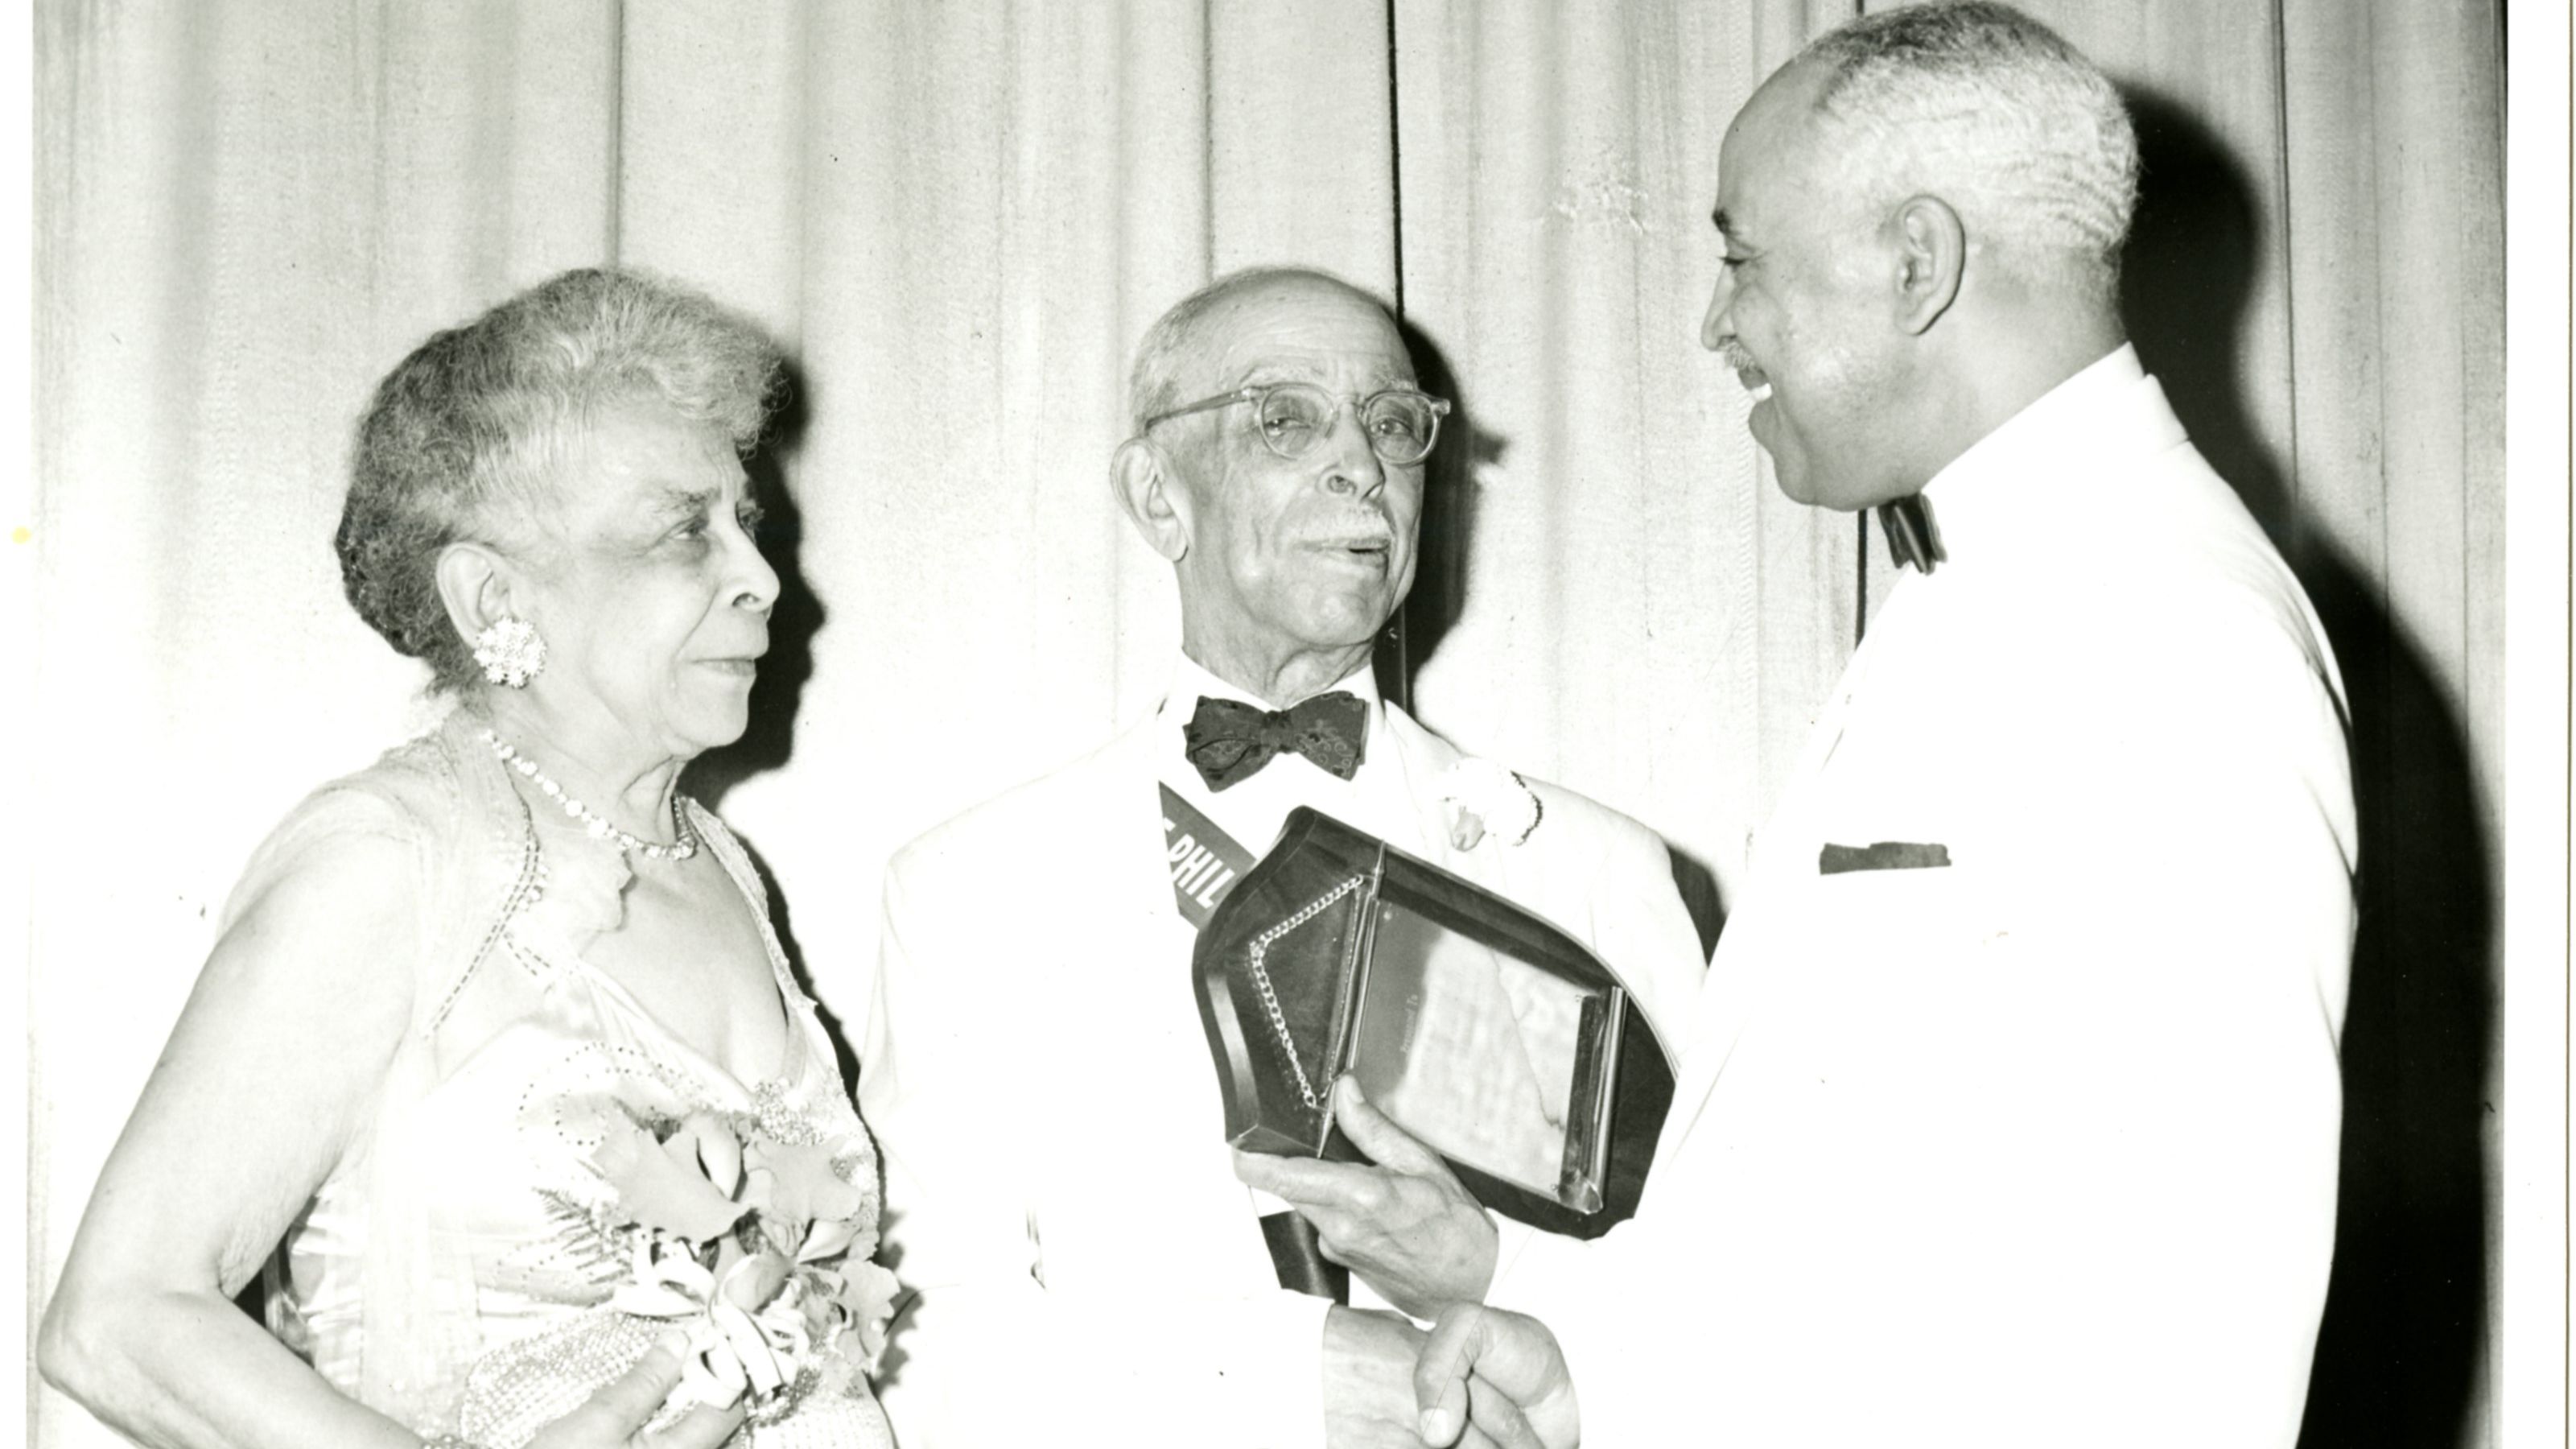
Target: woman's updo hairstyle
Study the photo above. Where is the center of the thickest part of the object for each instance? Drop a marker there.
(463, 439)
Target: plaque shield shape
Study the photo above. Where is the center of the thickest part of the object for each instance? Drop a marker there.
(1488, 1034)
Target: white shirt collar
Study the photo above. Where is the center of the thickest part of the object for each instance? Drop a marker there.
(2000, 488)
(1192, 680)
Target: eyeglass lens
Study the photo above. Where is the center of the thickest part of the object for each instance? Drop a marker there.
(1294, 417)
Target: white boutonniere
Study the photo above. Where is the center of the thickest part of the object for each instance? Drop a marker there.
(1487, 799)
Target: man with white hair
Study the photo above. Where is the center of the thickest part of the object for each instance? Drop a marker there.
(2009, 1115)
(1058, 1186)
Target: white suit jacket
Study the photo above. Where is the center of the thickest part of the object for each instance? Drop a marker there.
(1059, 1190)
(2037, 1147)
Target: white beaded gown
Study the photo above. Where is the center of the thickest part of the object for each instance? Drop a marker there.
(555, 1126)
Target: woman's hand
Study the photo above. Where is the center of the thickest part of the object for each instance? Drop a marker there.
(615, 1417)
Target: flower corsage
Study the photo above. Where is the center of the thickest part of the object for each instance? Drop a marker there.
(1487, 799)
(758, 1249)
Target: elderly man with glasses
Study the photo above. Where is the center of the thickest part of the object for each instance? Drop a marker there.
(1061, 1194)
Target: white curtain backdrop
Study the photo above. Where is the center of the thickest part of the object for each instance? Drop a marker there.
(958, 217)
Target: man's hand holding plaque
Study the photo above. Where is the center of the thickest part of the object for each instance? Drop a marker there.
(1401, 1220)
(1403, 1054)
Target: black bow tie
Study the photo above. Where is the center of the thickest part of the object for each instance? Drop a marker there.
(1229, 741)
(1911, 538)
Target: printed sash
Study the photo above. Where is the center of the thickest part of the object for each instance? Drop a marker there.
(1205, 862)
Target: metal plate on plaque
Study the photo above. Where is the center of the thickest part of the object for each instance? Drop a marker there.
(1491, 1036)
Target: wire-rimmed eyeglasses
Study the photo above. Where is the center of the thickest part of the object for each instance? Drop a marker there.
(1290, 418)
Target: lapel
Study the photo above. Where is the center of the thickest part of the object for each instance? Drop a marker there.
(1136, 877)
(1424, 760)
(1745, 960)
(1125, 1021)
(1101, 878)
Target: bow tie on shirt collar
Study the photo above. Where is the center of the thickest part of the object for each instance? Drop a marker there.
(1911, 538)
(1229, 741)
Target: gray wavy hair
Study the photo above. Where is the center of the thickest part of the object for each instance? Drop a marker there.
(464, 438)
(1996, 114)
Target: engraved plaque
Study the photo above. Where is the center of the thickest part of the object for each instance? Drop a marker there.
(1491, 1036)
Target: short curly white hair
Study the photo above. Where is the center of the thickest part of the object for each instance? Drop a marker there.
(462, 437)
(1999, 116)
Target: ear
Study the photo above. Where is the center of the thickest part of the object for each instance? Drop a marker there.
(1153, 497)
(477, 586)
(1931, 258)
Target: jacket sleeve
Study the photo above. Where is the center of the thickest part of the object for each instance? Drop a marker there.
(1623, 903)
(1641, 928)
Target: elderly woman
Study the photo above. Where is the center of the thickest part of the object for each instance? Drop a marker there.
(497, 1051)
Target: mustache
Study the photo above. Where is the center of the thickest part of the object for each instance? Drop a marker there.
(1737, 359)
(1353, 529)
(1353, 537)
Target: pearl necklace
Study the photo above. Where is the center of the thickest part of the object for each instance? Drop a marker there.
(681, 848)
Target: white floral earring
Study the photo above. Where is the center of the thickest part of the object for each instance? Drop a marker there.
(510, 651)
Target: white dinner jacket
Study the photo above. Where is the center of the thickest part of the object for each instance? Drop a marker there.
(2037, 1147)
(1059, 1190)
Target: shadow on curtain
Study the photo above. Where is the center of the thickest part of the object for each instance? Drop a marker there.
(2398, 1354)
(769, 742)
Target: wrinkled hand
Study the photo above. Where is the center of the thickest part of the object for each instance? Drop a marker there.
(1498, 1372)
(1369, 1362)
(1369, 1395)
(614, 1417)
(1404, 1225)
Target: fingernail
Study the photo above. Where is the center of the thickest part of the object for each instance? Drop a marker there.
(1436, 1428)
(673, 1341)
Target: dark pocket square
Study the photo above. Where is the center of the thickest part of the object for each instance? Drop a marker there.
(1885, 855)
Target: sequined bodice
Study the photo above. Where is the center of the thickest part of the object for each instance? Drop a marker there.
(511, 1139)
